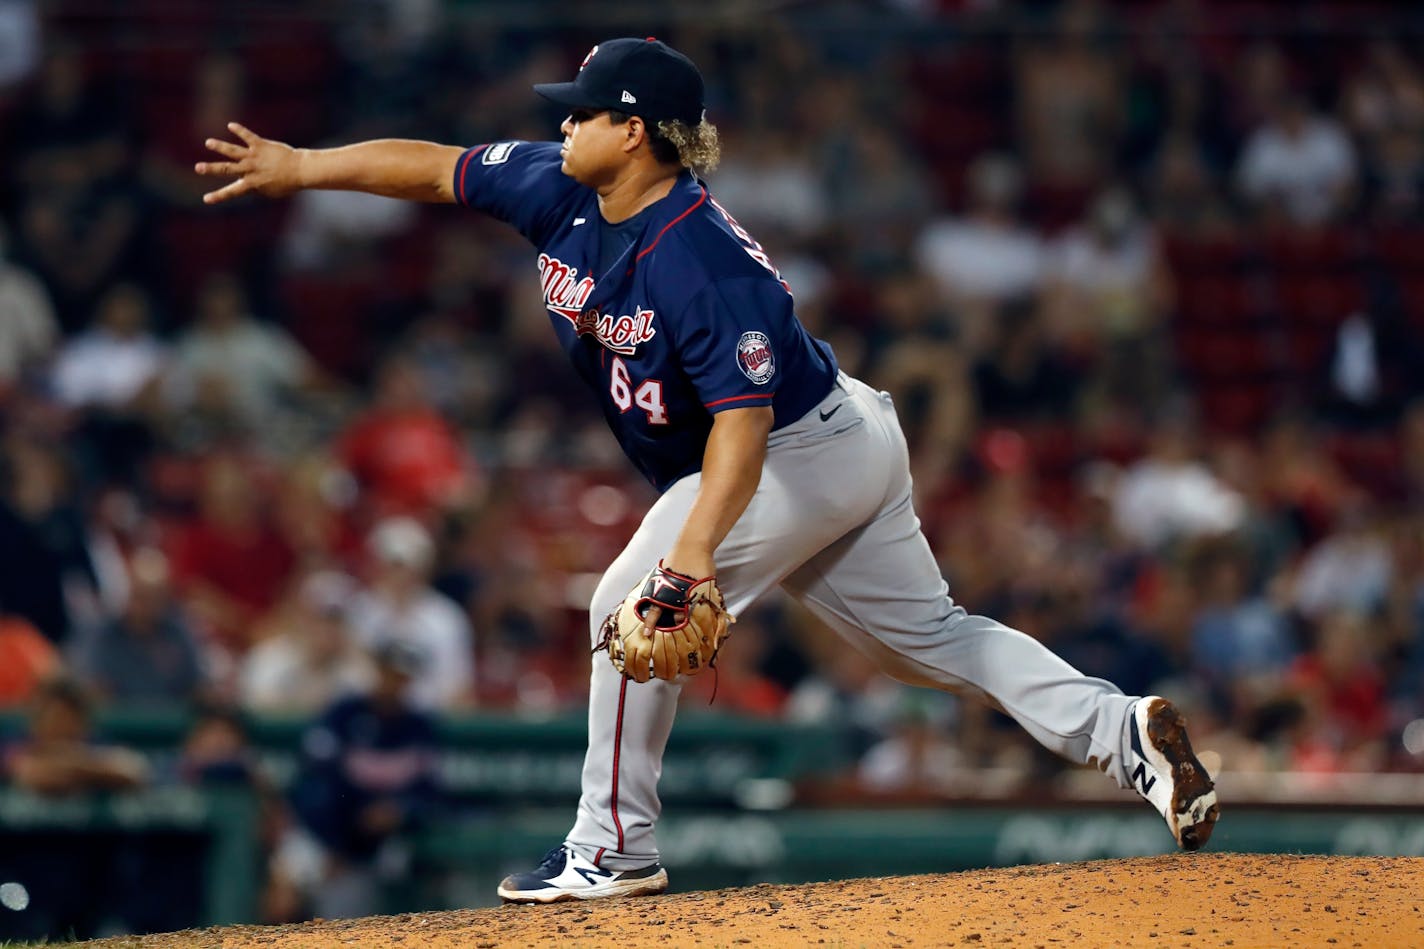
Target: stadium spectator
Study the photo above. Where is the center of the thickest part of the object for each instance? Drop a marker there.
(399, 606)
(46, 574)
(367, 779)
(315, 510)
(1341, 686)
(1242, 642)
(77, 215)
(1021, 377)
(1185, 199)
(1107, 298)
(28, 329)
(230, 563)
(74, 881)
(149, 655)
(405, 457)
(1170, 494)
(913, 352)
(918, 759)
(1069, 98)
(1299, 166)
(234, 369)
(217, 751)
(58, 756)
(986, 257)
(771, 188)
(1385, 93)
(311, 660)
(117, 361)
(1349, 569)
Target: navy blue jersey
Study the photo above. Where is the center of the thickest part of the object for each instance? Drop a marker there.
(690, 320)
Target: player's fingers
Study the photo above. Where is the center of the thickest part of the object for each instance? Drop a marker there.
(222, 168)
(230, 191)
(244, 133)
(664, 656)
(229, 149)
(640, 666)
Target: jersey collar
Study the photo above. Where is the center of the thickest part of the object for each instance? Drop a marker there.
(687, 195)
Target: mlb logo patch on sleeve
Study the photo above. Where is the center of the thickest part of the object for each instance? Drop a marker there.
(498, 153)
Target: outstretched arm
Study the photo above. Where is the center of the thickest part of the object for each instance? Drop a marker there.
(395, 168)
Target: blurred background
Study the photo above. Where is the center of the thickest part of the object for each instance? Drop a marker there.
(301, 507)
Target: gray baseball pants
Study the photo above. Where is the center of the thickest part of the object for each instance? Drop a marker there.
(832, 522)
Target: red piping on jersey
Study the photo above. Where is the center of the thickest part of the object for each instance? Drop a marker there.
(617, 744)
(649, 249)
(464, 166)
(740, 398)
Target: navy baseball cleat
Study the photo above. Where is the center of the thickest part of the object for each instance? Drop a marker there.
(564, 875)
(1163, 769)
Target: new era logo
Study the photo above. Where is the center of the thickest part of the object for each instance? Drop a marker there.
(629, 97)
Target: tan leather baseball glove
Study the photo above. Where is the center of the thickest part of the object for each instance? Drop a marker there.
(689, 632)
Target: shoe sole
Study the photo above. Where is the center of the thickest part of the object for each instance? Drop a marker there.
(1194, 806)
(647, 886)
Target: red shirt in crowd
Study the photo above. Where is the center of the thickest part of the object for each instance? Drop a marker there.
(407, 459)
(249, 567)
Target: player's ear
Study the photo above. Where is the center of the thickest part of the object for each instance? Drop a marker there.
(635, 133)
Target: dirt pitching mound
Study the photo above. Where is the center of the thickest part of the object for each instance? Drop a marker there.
(1192, 900)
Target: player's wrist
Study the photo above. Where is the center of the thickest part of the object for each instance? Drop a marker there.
(691, 559)
(301, 170)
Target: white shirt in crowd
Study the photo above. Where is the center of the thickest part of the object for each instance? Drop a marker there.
(100, 368)
(254, 361)
(28, 329)
(434, 624)
(279, 677)
(1157, 501)
(1305, 171)
(975, 260)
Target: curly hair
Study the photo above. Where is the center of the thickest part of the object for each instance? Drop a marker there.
(697, 147)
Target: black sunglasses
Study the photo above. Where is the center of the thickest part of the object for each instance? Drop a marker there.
(579, 116)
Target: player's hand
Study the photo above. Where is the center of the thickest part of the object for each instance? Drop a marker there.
(259, 164)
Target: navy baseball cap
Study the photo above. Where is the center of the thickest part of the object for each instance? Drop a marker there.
(644, 77)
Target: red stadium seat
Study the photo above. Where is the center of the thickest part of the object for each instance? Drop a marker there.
(331, 316)
(1312, 251)
(1319, 299)
(1189, 257)
(1220, 299)
(1227, 354)
(1238, 407)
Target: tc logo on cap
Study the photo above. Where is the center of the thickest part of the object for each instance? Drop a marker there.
(588, 57)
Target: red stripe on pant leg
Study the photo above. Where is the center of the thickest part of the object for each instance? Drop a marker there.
(598, 858)
(617, 744)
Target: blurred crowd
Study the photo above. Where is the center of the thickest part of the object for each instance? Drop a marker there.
(1146, 282)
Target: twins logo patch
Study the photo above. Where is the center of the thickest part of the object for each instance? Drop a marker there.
(497, 154)
(754, 357)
